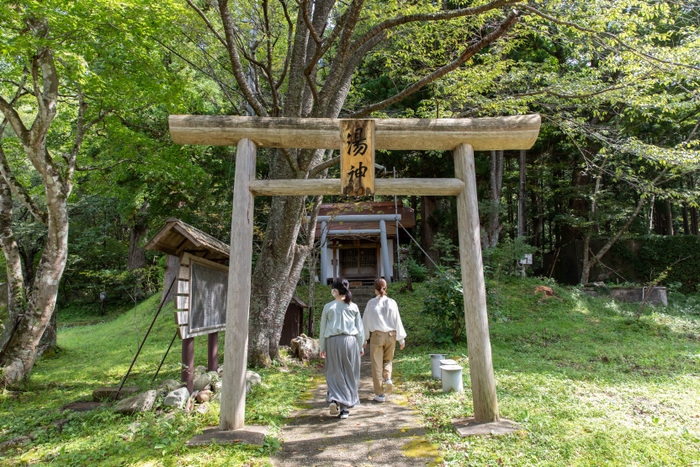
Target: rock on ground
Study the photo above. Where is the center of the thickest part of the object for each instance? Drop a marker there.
(139, 403)
(304, 348)
(252, 377)
(203, 396)
(177, 398)
(169, 385)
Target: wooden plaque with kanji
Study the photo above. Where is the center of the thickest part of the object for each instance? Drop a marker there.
(357, 157)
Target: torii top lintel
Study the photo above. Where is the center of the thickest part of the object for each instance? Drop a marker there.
(483, 134)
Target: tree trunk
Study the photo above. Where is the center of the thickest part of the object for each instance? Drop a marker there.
(522, 211)
(586, 262)
(16, 292)
(21, 350)
(28, 256)
(493, 226)
(278, 268)
(669, 218)
(586, 269)
(428, 206)
(537, 221)
(137, 254)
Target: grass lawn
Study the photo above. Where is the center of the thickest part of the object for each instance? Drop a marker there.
(590, 384)
(99, 355)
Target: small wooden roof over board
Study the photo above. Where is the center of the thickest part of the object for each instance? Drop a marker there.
(177, 238)
(298, 302)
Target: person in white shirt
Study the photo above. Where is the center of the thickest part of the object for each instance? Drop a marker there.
(341, 342)
(382, 319)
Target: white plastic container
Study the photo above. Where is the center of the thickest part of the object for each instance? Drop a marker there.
(451, 378)
(435, 359)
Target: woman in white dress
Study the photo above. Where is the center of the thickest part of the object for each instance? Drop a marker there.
(383, 321)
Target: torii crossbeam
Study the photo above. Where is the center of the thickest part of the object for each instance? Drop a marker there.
(462, 136)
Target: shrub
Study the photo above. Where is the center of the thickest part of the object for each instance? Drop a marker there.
(416, 271)
(504, 258)
(445, 304)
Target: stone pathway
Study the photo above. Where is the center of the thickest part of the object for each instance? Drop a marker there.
(375, 434)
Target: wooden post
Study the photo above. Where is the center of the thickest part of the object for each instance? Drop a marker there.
(478, 341)
(238, 298)
(187, 372)
(213, 351)
(385, 251)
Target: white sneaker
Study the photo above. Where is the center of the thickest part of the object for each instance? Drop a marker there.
(344, 414)
(388, 387)
(334, 409)
(381, 398)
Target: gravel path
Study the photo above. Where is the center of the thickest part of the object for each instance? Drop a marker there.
(375, 434)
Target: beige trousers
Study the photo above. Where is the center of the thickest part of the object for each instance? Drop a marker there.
(381, 352)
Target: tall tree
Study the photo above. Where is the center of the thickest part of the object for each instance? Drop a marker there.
(299, 61)
(81, 58)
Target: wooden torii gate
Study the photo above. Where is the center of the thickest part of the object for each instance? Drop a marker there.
(462, 136)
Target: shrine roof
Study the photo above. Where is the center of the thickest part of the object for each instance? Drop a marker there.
(408, 217)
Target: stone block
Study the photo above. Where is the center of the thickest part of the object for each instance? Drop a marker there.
(253, 378)
(177, 398)
(304, 348)
(139, 403)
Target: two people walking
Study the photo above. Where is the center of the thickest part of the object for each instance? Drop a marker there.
(342, 343)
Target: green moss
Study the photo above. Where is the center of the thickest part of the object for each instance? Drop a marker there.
(421, 447)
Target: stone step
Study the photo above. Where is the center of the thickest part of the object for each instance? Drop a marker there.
(361, 295)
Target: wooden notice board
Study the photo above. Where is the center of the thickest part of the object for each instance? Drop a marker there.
(357, 157)
(201, 297)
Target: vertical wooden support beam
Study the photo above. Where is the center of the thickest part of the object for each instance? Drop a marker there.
(385, 251)
(238, 300)
(478, 341)
(213, 351)
(187, 372)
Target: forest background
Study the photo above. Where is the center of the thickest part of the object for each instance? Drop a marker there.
(89, 171)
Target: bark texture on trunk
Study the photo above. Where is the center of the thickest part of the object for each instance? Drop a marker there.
(21, 350)
(16, 293)
(428, 206)
(493, 226)
(137, 254)
(277, 271)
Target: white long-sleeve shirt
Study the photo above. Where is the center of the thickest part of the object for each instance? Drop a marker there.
(382, 314)
(340, 318)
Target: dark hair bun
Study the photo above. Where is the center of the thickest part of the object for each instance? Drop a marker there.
(343, 288)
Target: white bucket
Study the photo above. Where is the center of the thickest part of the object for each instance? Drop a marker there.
(451, 378)
(435, 359)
